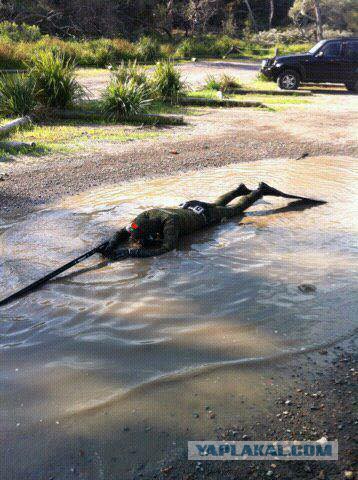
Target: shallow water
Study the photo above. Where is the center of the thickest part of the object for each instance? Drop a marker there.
(228, 295)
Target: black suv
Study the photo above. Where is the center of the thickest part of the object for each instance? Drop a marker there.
(329, 61)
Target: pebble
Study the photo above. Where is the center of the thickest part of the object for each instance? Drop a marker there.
(269, 473)
(321, 475)
(348, 474)
(196, 415)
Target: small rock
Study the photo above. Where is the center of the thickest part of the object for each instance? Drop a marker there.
(321, 475)
(348, 474)
(288, 402)
(212, 415)
(174, 152)
(269, 473)
(196, 415)
(245, 437)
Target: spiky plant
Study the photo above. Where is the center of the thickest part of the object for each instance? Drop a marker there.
(227, 82)
(211, 83)
(130, 71)
(17, 94)
(124, 99)
(166, 82)
(55, 80)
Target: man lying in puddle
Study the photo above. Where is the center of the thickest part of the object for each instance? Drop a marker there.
(158, 230)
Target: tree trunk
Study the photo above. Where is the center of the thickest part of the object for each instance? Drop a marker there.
(271, 14)
(317, 8)
(251, 15)
(11, 127)
(170, 15)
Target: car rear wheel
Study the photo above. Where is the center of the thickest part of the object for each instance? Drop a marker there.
(288, 80)
(352, 86)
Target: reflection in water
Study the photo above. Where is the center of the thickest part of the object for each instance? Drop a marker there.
(228, 294)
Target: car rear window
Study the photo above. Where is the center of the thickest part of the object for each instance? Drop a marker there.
(352, 50)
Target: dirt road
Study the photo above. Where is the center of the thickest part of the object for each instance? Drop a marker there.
(325, 126)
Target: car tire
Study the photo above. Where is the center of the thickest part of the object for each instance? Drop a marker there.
(352, 86)
(288, 80)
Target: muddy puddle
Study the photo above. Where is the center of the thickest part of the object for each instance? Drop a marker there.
(80, 357)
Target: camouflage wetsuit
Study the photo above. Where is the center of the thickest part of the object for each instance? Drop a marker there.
(168, 224)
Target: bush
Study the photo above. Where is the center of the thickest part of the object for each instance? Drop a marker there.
(205, 46)
(130, 71)
(123, 99)
(19, 33)
(54, 77)
(166, 82)
(211, 83)
(225, 83)
(123, 50)
(148, 49)
(17, 94)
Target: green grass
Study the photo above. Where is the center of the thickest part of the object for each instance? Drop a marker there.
(266, 99)
(71, 136)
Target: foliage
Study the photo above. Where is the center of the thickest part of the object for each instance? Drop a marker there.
(19, 32)
(54, 77)
(211, 83)
(148, 49)
(17, 94)
(130, 71)
(225, 83)
(166, 82)
(124, 98)
(205, 46)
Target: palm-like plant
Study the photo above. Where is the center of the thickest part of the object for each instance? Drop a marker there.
(124, 99)
(17, 94)
(166, 82)
(55, 80)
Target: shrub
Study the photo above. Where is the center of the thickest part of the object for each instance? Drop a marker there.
(130, 71)
(123, 50)
(148, 49)
(123, 99)
(166, 82)
(17, 94)
(19, 33)
(211, 83)
(54, 77)
(227, 82)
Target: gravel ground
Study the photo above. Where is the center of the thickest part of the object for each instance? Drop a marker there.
(322, 404)
(327, 126)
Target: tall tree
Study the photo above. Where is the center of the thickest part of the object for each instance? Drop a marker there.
(317, 8)
(271, 13)
(251, 15)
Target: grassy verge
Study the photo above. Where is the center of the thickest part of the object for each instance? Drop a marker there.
(266, 99)
(71, 136)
